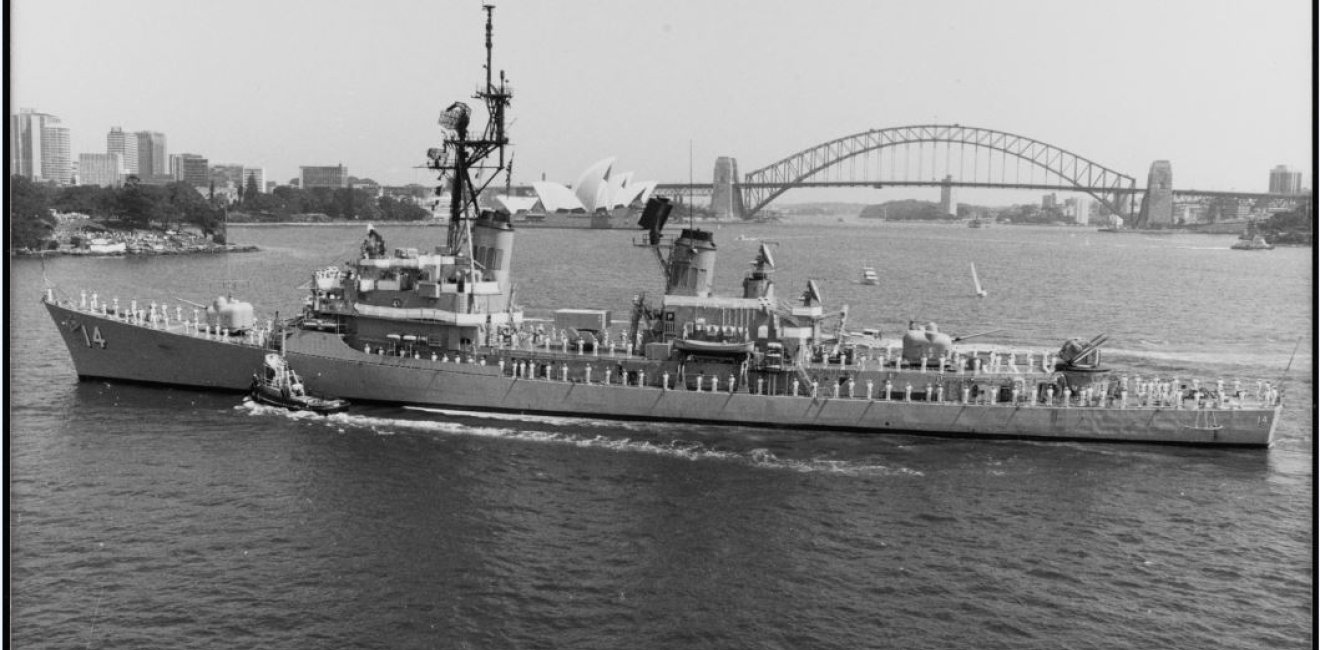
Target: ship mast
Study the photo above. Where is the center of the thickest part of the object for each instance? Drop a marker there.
(460, 156)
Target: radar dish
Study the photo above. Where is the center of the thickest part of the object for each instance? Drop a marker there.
(455, 118)
(813, 293)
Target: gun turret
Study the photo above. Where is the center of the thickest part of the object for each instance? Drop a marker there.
(1077, 355)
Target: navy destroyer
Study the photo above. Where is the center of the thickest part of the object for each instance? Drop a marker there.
(442, 328)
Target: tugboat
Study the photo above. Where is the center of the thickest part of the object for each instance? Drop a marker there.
(278, 385)
(441, 328)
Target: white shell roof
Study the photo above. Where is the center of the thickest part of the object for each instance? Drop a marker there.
(516, 204)
(555, 197)
(595, 189)
(589, 185)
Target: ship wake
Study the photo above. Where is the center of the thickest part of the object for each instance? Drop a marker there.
(655, 438)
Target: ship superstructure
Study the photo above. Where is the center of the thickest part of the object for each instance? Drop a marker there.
(458, 295)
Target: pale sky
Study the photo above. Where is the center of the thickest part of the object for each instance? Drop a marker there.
(1222, 88)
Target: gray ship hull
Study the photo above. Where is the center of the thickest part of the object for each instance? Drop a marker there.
(106, 347)
(330, 366)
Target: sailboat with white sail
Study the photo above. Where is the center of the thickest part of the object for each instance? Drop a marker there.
(976, 281)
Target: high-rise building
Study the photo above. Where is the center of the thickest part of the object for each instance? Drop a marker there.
(151, 157)
(39, 148)
(102, 169)
(57, 159)
(331, 177)
(192, 169)
(1284, 180)
(227, 175)
(26, 144)
(124, 144)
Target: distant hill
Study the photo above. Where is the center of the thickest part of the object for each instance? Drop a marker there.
(906, 210)
(820, 208)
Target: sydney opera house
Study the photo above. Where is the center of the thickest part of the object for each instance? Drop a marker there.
(600, 198)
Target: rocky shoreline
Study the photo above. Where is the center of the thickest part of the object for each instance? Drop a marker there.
(211, 249)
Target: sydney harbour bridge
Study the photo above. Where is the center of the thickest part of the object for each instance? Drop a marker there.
(953, 155)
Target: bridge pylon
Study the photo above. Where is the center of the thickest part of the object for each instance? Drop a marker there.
(1157, 203)
(725, 200)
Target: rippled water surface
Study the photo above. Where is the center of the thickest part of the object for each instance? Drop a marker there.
(145, 517)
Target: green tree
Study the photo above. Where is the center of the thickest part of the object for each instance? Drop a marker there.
(287, 200)
(321, 199)
(251, 192)
(90, 200)
(392, 209)
(137, 206)
(30, 220)
(186, 204)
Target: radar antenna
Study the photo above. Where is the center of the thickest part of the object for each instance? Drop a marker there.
(460, 157)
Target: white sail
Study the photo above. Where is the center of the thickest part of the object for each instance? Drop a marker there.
(977, 281)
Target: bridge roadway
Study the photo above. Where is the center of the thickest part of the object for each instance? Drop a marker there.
(707, 188)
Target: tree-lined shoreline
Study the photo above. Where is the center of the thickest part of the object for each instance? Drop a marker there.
(36, 211)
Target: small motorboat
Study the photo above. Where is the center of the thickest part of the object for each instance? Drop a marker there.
(277, 384)
(869, 276)
(1256, 243)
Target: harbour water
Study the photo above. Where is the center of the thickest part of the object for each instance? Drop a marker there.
(146, 517)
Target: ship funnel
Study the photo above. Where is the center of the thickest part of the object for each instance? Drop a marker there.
(691, 269)
(492, 249)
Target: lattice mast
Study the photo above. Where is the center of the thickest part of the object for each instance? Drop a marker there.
(460, 157)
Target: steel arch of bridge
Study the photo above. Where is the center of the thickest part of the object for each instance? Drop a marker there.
(762, 186)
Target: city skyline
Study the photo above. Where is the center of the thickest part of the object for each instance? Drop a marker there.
(289, 88)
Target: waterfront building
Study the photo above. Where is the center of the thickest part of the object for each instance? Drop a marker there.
(420, 194)
(39, 148)
(190, 168)
(367, 185)
(151, 157)
(1228, 209)
(334, 178)
(1079, 208)
(101, 169)
(1283, 180)
(124, 144)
